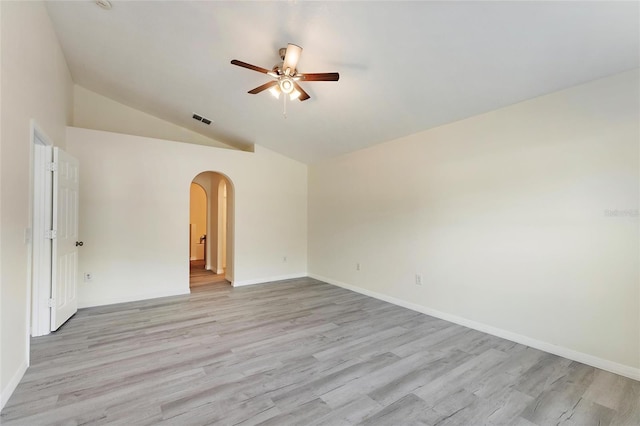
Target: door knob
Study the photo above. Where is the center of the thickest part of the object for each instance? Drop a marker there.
(79, 243)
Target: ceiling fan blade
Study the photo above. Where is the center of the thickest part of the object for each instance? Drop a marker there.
(323, 76)
(263, 87)
(303, 95)
(291, 58)
(249, 66)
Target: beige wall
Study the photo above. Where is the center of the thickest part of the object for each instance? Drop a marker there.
(134, 210)
(507, 218)
(197, 220)
(94, 111)
(35, 84)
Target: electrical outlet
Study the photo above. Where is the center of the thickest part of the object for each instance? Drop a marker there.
(418, 279)
(358, 266)
(88, 276)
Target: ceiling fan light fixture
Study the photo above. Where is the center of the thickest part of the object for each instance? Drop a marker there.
(275, 91)
(286, 85)
(294, 95)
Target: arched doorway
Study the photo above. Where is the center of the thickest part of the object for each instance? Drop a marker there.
(211, 229)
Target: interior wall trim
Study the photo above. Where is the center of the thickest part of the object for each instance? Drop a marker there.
(269, 279)
(129, 298)
(604, 364)
(13, 384)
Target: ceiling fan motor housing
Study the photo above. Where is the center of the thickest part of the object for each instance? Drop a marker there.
(278, 69)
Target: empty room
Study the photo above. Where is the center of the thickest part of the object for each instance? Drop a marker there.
(320, 213)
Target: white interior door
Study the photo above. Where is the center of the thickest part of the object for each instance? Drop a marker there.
(65, 239)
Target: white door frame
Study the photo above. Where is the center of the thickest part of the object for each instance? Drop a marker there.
(41, 214)
(65, 243)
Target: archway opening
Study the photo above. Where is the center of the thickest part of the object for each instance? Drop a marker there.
(211, 225)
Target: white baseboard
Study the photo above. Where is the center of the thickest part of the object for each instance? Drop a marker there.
(129, 298)
(13, 384)
(269, 279)
(604, 364)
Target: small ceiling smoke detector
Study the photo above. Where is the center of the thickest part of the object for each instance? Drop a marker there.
(105, 4)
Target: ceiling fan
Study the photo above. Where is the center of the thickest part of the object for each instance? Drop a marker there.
(286, 76)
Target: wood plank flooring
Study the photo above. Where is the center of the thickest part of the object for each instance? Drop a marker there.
(300, 352)
(199, 276)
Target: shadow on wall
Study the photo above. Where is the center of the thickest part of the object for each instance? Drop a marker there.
(211, 227)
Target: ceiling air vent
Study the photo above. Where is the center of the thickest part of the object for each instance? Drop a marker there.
(198, 117)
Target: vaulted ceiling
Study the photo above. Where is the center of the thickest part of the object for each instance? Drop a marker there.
(404, 66)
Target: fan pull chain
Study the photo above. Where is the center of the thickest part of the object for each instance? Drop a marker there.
(284, 108)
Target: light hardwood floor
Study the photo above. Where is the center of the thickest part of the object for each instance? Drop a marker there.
(300, 352)
(199, 276)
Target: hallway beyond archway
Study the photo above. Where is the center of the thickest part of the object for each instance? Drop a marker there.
(199, 276)
(211, 229)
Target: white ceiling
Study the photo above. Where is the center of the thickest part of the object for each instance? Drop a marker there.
(404, 66)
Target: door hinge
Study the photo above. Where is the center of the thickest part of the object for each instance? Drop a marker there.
(52, 167)
(52, 234)
(51, 303)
